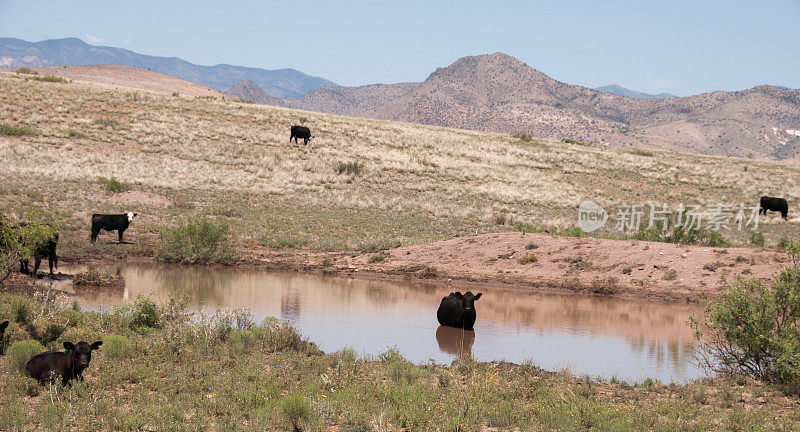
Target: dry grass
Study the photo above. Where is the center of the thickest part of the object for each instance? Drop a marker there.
(423, 183)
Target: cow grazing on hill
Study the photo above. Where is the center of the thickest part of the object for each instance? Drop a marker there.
(301, 132)
(774, 204)
(46, 367)
(458, 310)
(115, 222)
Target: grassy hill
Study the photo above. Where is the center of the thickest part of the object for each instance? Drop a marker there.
(360, 184)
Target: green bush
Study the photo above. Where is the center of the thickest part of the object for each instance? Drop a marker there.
(529, 258)
(351, 167)
(26, 70)
(757, 239)
(116, 346)
(753, 329)
(296, 409)
(49, 78)
(670, 275)
(146, 313)
(20, 352)
(198, 241)
(21, 311)
(376, 258)
(113, 185)
(11, 130)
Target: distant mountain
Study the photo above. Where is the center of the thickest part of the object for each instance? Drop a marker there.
(351, 100)
(72, 51)
(622, 91)
(500, 93)
(248, 91)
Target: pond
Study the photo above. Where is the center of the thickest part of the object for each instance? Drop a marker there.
(598, 336)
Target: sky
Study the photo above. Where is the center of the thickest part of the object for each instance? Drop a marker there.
(678, 47)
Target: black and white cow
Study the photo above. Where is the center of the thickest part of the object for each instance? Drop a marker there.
(111, 222)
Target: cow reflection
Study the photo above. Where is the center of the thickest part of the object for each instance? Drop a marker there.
(455, 341)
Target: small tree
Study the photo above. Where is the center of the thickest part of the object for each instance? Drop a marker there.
(754, 329)
(19, 242)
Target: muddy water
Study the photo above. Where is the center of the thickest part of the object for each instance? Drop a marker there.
(598, 336)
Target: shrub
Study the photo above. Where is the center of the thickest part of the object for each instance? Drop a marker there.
(753, 330)
(11, 130)
(529, 258)
(20, 352)
(572, 141)
(351, 167)
(113, 185)
(757, 239)
(670, 275)
(378, 257)
(106, 122)
(523, 137)
(26, 70)
(116, 346)
(713, 266)
(146, 313)
(681, 235)
(296, 409)
(531, 246)
(49, 78)
(421, 271)
(21, 311)
(197, 241)
(627, 270)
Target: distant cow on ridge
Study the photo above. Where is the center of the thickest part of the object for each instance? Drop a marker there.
(774, 204)
(458, 310)
(301, 132)
(115, 222)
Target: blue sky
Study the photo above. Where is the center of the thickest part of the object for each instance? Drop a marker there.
(680, 47)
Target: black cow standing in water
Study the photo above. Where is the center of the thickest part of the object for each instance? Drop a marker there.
(301, 132)
(458, 310)
(46, 367)
(774, 204)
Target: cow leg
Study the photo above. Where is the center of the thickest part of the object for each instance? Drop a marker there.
(50, 262)
(23, 266)
(305, 141)
(37, 261)
(120, 231)
(94, 234)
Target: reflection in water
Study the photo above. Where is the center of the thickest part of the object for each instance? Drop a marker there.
(455, 341)
(631, 339)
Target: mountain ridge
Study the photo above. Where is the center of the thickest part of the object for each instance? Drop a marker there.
(284, 82)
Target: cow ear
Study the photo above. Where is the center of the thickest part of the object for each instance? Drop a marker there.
(96, 345)
(69, 346)
(458, 294)
(477, 296)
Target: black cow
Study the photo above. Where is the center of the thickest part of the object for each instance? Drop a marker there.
(46, 367)
(3, 326)
(301, 132)
(774, 204)
(44, 250)
(118, 222)
(458, 310)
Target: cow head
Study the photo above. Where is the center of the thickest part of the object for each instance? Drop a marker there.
(81, 352)
(130, 215)
(468, 299)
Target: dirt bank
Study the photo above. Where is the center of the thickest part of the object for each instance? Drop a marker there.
(628, 268)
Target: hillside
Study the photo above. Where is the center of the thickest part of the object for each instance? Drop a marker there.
(408, 184)
(129, 77)
(71, 52)
(622, 91)
(501, 94)
(350, 100)
(248, 91)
